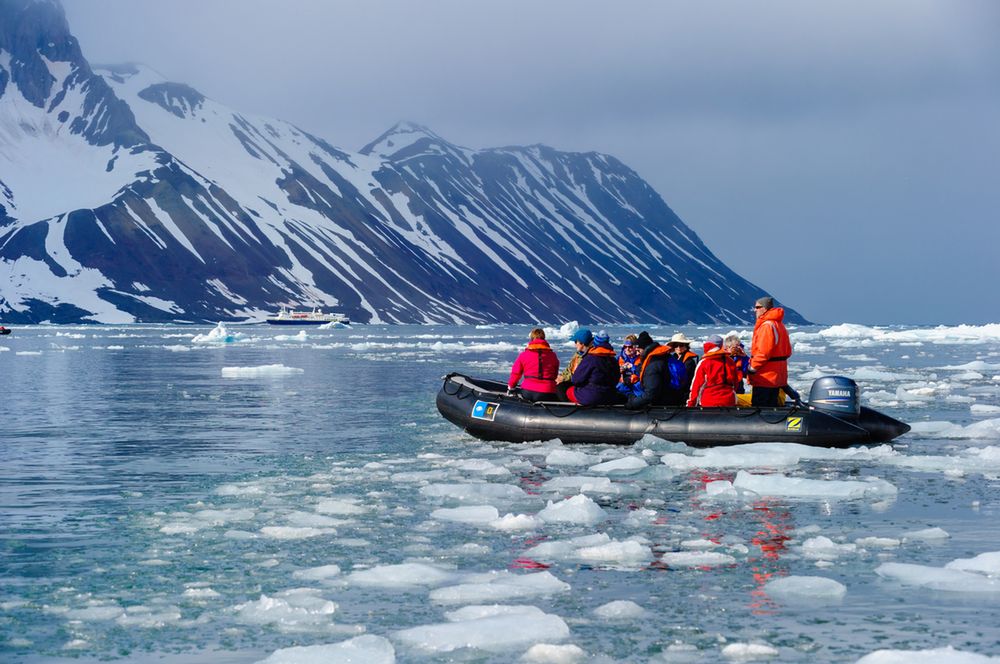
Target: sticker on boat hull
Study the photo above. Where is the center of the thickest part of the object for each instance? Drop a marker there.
(484, 410)
(793, 424)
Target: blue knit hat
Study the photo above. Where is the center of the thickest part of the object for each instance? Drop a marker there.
(582, 336)
(602, 338)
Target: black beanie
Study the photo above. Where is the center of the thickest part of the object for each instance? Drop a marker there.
(644, 339)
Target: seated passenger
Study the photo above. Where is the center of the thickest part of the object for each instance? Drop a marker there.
(734, 347)
(715, 378)
(539, 366)
(595, 378)
(628, 367)
(682, 349)
(661, 375)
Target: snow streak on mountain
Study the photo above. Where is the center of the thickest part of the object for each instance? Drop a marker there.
(125, 197)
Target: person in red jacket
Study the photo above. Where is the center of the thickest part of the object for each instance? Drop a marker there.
(770, 349)
(539, 366)
(715, 378)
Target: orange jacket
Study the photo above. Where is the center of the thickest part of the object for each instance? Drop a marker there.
(770, 349)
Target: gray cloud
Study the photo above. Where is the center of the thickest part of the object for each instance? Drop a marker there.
(840, 154)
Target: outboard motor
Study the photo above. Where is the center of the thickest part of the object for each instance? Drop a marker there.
(836, 395)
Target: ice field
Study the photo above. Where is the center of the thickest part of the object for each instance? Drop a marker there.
(248, 494)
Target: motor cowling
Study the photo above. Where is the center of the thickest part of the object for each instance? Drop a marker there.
(837, 395)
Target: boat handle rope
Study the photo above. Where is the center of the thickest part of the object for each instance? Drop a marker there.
(794, 410)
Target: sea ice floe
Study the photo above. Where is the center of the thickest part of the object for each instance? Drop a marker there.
(768, 455)
(294, 610)
(946, 655)
(482, 492)
(805, 589)
(561, 457)
(579, 510)
(500, 587)
(748, 652)
(219, 335)
(940, 578)
(878, 542)
(620, 609)
(364, 649)
(403, 575)
(490, 628)
(263, 371)
(778, 485)
(339, 506)
(294, 532)
(550, 653)
(696, 559)
(625, 465)
(823, 548)
(317, 573)
(581, 484)
(512, 522)
(985, 563)
(925, 535)
(471, 514)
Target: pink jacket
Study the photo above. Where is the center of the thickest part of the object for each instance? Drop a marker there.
(539, 366)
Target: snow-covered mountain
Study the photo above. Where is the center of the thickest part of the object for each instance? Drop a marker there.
(127, 197)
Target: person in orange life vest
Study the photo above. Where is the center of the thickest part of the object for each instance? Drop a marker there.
(770, 349)
(539, 366)
(715, 377)
(681, 346)
(660, 376)
(596, 376)
(628, 367)
(732, 345)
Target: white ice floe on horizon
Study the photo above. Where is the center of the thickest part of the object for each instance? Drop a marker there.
(301, 337)
(218, 335)
(564, 331)
(264, 371)
(364, 649)
(799, 589)
(946, 655)
(489, 628)
(500, 587)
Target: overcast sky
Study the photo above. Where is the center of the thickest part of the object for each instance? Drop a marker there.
(843, 155)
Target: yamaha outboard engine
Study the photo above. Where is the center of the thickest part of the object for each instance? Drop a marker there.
(836, 395)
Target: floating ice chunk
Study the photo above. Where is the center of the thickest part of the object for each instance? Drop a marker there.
(317, 573)
(768, 455)
(294, 532)
(562, 457)
(312, 520)
(263, 371)
(565, 549)
(579, 509)
(699, 544)
(404, 575)
(200, 593)
(484, 492)
(364, 649)
(299, 609)
(300, 337)
(625, 465)
(939, 578)
(983, 409)
(805, 588)
(495, 629)
(512, 522)
(472, 514)
(501, 586)
(480, 467)
(339, 506)
(628, 552)
(946, 655)
(580, 483)
(878, 542)
(548, 653)
(982, 429)
(621, 609)
(984, 563)
(640, 518)
(148, 618)
(96, 613)
(747, 652)
(720, 489)
(926, 535)
(696, 559)
(798, 487)
(219, 335)
(823, 548)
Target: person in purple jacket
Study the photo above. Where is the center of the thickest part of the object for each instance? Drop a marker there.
(595, 379)
(539, 366)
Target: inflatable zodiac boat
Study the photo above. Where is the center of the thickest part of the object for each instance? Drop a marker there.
(833, 417)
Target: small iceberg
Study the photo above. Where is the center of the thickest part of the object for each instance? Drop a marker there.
(220, 335)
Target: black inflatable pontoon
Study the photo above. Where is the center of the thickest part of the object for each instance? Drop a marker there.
(833, 417)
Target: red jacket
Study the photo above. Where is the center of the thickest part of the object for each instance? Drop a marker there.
(770, 349)
(539, 366)
(715, 380)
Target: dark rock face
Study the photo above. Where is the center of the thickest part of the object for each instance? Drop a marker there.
(253, 214)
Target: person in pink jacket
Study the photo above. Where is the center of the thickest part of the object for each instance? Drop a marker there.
(539, 366)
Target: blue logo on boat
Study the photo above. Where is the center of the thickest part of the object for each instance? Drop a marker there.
(484, 410)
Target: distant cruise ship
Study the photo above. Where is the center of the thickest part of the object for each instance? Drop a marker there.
(315, 317)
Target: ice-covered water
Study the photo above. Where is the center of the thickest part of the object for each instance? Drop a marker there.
(244, 494)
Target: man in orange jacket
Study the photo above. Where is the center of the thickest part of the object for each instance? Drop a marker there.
(770, 349)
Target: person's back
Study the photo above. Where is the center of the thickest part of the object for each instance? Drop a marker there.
(539, 366)
(714, 382)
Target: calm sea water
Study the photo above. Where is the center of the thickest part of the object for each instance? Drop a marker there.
(154, 509)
